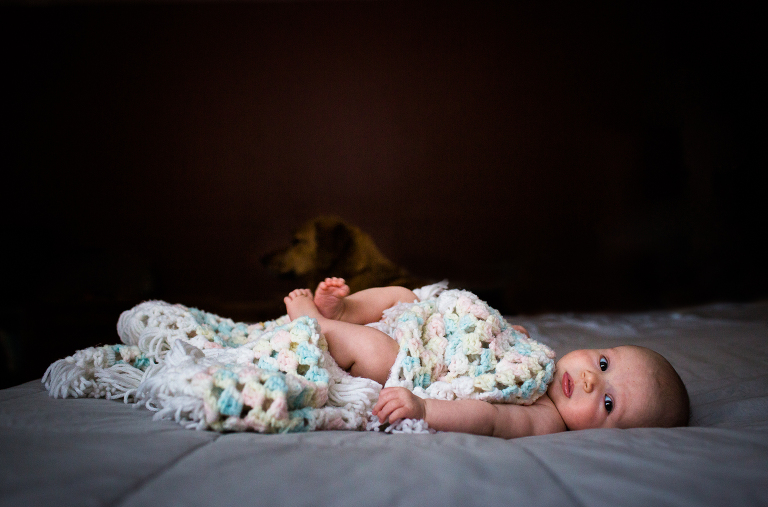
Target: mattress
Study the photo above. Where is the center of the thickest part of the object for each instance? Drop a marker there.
(100, 452)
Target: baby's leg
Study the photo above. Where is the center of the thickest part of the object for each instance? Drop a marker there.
(334, 302)
(361, 350)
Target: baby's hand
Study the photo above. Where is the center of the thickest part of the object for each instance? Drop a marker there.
(399, 403)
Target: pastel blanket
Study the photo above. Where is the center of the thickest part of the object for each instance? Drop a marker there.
(209, 372)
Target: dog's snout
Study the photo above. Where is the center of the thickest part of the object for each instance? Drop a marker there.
(276, 262)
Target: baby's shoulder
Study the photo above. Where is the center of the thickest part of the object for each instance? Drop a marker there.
(548, 416)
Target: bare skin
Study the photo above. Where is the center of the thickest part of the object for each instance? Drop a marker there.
(471, 416)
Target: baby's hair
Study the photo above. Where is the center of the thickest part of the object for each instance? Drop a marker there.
(672, 405)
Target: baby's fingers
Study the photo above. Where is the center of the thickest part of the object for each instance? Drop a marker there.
(383, 398)
(387, 394)
(386, 409)
(400, 413)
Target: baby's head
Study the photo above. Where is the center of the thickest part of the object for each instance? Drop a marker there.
(623, 387)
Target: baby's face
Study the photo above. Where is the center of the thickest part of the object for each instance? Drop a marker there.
(604, 388)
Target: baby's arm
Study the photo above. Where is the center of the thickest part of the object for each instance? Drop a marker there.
(471, 416)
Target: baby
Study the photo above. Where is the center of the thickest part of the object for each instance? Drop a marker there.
(622, 387)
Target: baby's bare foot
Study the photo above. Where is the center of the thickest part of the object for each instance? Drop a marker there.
(299, 302)
(329, 297)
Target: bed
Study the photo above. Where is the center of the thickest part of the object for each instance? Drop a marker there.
(100, 452)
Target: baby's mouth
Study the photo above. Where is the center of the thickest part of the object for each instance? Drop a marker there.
(567, 385)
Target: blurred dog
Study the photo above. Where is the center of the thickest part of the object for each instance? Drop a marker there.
(327, 246)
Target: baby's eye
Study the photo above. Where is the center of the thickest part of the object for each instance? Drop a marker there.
(603, 363)
(608, 404)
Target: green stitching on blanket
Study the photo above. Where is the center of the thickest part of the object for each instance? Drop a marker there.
(456, 346)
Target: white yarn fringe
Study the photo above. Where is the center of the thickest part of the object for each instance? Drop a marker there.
(431, 291)
(399, 426)
(165, 334)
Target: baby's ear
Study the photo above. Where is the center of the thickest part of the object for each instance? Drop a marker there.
(333, 242)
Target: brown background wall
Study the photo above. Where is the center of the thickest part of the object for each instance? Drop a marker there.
(550, 160)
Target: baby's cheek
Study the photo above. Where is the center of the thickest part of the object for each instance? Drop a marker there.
(577, 419)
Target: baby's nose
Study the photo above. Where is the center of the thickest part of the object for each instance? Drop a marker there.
(590, 379)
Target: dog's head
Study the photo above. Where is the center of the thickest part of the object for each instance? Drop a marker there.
(315, 250)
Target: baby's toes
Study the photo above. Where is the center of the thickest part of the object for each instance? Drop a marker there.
(331, 282)
(296, 293)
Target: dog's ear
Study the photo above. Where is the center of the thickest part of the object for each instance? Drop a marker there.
(333, 241)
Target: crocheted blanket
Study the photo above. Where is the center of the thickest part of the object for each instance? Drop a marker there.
(208, 372)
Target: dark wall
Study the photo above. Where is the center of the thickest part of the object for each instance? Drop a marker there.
(550, 160)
